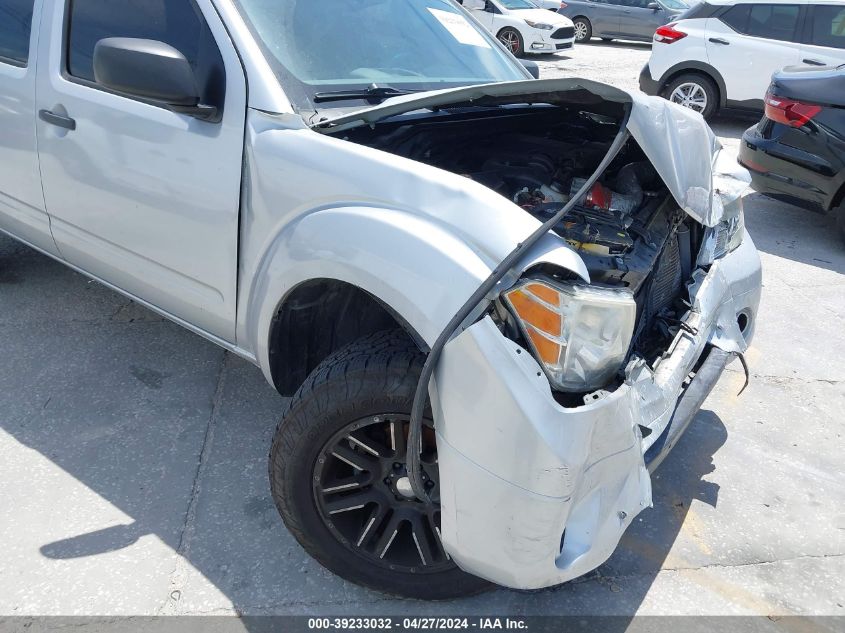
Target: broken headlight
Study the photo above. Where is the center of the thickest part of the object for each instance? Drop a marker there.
(723, 238)
(579, 334)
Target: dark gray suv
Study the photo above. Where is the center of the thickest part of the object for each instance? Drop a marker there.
(620, 19)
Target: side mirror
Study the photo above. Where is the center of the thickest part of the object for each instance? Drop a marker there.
(152, 71)
(531, 67)
(653, 6)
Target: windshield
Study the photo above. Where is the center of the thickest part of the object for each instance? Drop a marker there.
(517, 4)
(675, 5)
(319, 47)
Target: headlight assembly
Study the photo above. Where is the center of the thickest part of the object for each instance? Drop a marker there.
(539, 25)
(579, 334)
(723, 238)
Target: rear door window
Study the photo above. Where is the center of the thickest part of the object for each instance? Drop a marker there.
(769, 21)
(827, 25)
(15, 29)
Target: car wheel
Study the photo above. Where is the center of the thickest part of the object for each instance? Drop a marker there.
(583, 29)
(338, 477)
(512, 40)
(695, 92)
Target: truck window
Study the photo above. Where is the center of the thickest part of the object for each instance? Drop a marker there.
(828, 26)
(178, 23)
(15, 27)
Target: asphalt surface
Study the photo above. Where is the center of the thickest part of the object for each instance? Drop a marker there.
(133, 456)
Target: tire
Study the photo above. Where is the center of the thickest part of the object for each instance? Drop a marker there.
(583, 29)
(694, 91)
(351, 410)
(512, 39)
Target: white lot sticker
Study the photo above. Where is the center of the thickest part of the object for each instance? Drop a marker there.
(460, 29)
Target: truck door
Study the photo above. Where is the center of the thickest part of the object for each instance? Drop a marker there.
(22, 211)
(142, 197)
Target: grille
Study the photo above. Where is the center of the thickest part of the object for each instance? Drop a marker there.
(564, 33)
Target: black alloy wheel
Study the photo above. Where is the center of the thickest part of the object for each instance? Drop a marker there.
(364, 496)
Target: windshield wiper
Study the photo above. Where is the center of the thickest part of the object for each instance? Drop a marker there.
(370, 93)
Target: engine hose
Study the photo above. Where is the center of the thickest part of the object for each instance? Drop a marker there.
(412, 456)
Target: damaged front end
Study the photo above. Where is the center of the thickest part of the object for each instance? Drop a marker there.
(558, 397)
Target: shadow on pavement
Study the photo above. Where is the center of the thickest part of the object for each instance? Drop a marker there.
(801, 235)
(184, 456)
(618, 44)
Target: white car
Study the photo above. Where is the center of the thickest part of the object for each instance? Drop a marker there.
(522, 26)
(723, 52)
(551, 5)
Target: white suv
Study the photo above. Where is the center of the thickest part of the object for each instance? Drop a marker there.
(722, 53)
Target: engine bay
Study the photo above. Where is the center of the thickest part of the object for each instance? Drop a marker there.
(628, 230)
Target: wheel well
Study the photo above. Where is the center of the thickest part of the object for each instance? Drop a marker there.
(316, 319)
(837, 198)
(697, 71)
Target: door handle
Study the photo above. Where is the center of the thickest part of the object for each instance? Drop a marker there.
(814, 62)
(718, 40)
(57, 119)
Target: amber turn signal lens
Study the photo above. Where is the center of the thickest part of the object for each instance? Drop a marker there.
(535, 313)
(537, 306)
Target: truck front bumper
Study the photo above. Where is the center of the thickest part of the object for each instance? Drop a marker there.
(534, 493)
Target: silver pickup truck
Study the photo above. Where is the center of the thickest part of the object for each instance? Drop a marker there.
(496, 302)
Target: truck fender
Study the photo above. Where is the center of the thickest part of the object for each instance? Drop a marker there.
(417, 268)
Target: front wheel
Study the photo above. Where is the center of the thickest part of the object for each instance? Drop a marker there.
(695, 92)
(512, 40)
(338, 475)
(583, 29)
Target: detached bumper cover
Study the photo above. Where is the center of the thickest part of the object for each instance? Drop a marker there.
(534, 494)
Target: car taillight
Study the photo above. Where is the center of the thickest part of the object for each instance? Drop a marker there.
(668, 34)
(563, 5)
(788, 111)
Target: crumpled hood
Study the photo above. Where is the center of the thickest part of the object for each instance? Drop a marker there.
(677, 141)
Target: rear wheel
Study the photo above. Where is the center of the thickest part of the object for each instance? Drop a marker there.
(338, 475)
(694, 91)
(512, 40)
(583, 29)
